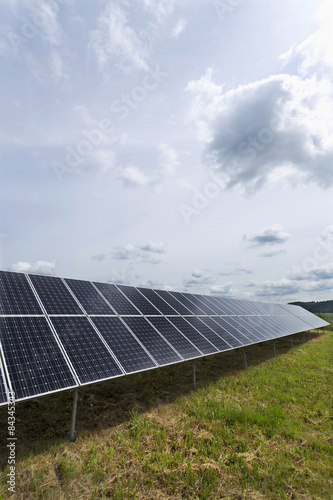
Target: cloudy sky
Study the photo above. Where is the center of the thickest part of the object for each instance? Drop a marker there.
(172, 144)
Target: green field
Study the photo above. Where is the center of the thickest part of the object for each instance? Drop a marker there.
(261, 433)
(327, 317)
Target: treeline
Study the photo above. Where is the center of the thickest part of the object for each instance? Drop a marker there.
(325, 306)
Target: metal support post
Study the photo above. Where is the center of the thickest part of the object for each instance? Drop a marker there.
(72, 429)
(291, 341)
(274, 348)
(194, 377)
(309, 334)
(244, 352)
(303, 337)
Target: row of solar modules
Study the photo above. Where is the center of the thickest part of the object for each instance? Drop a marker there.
(42, 354)
(33, 294)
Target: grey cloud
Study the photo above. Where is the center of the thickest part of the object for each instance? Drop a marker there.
(273, 235)
(317, 274)
(99, 257)
(278, 288)
(267, 131)
(197, 278)
(140, 253)
(273, 253)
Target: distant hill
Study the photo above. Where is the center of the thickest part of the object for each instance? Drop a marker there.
(316, 307)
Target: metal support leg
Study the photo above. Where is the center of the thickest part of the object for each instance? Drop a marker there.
(291, 341)
(274, 348)
(72, 429)
(309, 334)
(303, 337)
(244, 352)
(194, 376)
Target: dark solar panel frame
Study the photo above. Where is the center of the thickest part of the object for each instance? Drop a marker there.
(4, 388)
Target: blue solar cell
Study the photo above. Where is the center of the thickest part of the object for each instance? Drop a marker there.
(126, 348)
(207, 332)
(54, 295)
(176, 339)
(16, 295)
(224, 333)
(193, 335)
(34, 360)
(157, 301)
(144, 306)
(194, 308)
(116, 299)
(90, 299)
(199, 302)
(152, 340)
(174, 303)
(88, 354)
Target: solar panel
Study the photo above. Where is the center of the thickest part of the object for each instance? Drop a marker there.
(57, 334)
(156, 345)
(143, 304)
(182, 345)
(116, 299)
(187, 303)
(193, 335)
(91, 359)
(231, 339)
(54, 295)
(131, 355)
(196, 301)
(16, 295)
(157, 301)
(34, 360)
(208, 333)
(174, 303)
(88, 296)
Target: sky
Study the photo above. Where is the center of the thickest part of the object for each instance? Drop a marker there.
(183, 145)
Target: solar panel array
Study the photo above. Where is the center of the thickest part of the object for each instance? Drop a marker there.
(57, 334)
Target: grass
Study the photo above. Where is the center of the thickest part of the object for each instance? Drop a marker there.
(329, 318)
(260, 433)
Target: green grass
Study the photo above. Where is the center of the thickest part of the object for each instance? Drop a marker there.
(329, 318)
(261, 433)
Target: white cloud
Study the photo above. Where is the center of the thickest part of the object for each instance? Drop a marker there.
(273, 253)
(40, 267)
(134, 177)
(58, 67)
(140, 252)
(197, 279)
(272, 235)
(178, 28)
(275, 129)
(114, 38)
(168, 158)
(282, 287)
(161, 9)
(223, 290)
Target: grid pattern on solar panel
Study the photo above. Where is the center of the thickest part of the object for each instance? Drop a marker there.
(180, 308)
(16, 295)
(187, 303)
(212, 336)
(196, 301)
(231, 330)
(193, 335)
(54, 295)
(224, 310)
(116, 299)
(88, 354)
(245, 326)
(213, 307)
(89, 298)
(153, 342)
(157, 301)
(126, 348)
(34, 360)
(176, 339)
(138, 300)
(224, 334)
